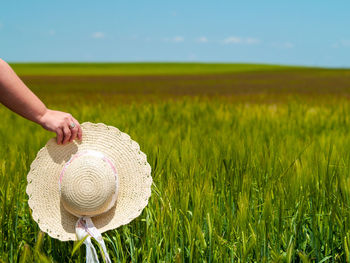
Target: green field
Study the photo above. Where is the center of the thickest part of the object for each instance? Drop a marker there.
(249, 163)
(122, 69)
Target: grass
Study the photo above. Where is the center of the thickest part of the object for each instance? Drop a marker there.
(234, 181)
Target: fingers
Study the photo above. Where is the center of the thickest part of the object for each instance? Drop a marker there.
(74, 132)
(77, 127)
(66, 134)
(80, 133)
(59, 133)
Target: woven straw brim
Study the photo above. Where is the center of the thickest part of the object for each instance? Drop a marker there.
(134, 174)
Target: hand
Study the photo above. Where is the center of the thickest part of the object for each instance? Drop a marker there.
(58, 122)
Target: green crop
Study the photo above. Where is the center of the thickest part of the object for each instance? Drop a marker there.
(232, 181)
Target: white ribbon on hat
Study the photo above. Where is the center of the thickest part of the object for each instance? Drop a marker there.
(84, 225)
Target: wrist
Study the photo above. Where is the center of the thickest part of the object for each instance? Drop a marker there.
(41, 116)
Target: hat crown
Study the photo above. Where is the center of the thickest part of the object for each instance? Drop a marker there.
(88, 184)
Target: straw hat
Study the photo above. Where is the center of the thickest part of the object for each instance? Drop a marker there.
(103, 181)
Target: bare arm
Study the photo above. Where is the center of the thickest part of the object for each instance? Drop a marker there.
(15, 95)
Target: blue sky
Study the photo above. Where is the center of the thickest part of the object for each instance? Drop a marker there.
(278, 32)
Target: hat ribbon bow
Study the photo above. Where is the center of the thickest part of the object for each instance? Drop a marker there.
(85, 226)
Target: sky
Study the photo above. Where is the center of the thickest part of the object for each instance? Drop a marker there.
(312, 33)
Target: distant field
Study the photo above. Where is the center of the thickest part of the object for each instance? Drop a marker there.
(125, 82)
(122, 69)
